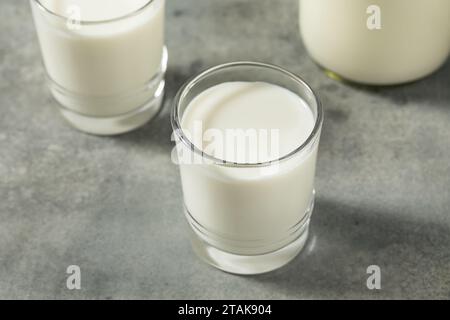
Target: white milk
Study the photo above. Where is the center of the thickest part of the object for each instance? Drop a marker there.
(95, 10)
(100, 68)
(414, 39)
(250, 203)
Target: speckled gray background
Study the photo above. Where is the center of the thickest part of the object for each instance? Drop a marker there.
(113, 205)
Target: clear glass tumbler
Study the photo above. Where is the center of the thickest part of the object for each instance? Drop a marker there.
(105, 61)
(241, 225)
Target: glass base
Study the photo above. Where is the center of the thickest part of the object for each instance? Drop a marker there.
(334, 76)
(248, 265)
(361, 83)
(111, 115)
(115, 125)
(246, 262)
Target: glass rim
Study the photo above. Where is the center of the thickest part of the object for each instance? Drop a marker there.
(93, 22)
(179, 132)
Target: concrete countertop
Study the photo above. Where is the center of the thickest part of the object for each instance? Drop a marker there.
(113, 206)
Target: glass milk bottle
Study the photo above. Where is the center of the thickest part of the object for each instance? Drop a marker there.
(105, 60)
(377, 42)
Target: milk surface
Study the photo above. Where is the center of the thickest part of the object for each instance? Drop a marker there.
(414, 39)
(254, 106)
(106, 60)
(95, 10)
(250, 203)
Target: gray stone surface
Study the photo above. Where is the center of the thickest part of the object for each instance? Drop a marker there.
(113, 206)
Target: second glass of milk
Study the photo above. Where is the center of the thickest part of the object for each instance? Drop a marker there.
(105, 60)
(248, 211)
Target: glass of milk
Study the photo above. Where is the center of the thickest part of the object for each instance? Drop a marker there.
(377, 42)
(105, 60)
(246, 137)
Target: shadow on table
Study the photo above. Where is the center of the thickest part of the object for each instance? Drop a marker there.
(433, 89)
(345, 240)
